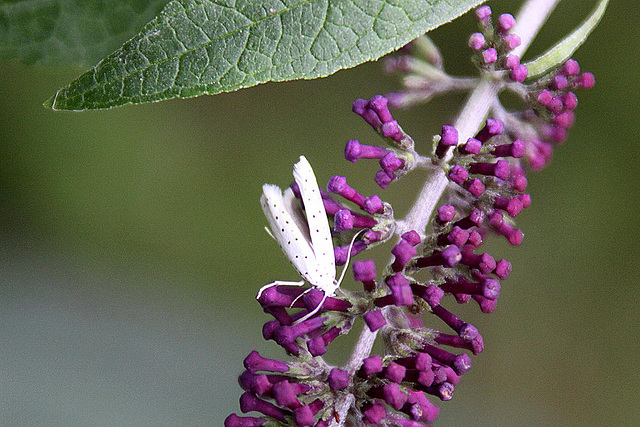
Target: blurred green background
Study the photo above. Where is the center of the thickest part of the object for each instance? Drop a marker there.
(133, 245)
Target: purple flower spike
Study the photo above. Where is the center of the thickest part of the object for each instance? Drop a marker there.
(472, 146)
(374, 320)
(499, 169)
(516, 149)
(506, 22)
(477, 41)
(354, 151)
(512, 41)
(254, 363)
(448, 257)
(448, 138)
(378, 103)
(235, 421)
(458, 174)
(519, 73)
(491, 128)
(338, 379)
(403, 253)
(489, 56)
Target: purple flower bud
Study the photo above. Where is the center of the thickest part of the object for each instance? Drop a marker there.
(392, 130)
(370, 365)
(472, 146)
(361, 108)
(448, 257)
(373, 205)
(394, 372)
(403, 253)
(460, 363)
(288, 334)
(354, 151)
(474, 219)
(457, 236)
(446, 213)
(475, 239)
(513, 235)
(338, 185)
(412, 237)
(477, 41)
(304, 416)
(499, 169)
(516, 149)
(555, 105)
(378, 103)
(545, 97)
(506, 21)
(564, 119)
(338, 379)
(559, 82)
(249, 403)
(570, 68)
(503, 269)
(374, 320)
(512, 206)
(569, 100)
(254, 363)
(313, 297)
(511, 62)
(448, 138)
(489, 56)
(474, 186)
(284, 393)
(375, 412)
(487, 306)
(525, 199)
(235, 421)
(511, 41)
(371, 236)
(519, 73)
(447, 317)
(458, 174)
(382, 179)
(340, 252)
(316, 346)
(483, 13)
(491, 128)
(475, 345)
(343, 220)
(419, 408)
(390, 163)
(483, 262)
(394, 396)
(488, 288)
(586, 80)
(400, 290)
(365, 272)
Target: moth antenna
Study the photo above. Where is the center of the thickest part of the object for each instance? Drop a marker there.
(346, 265)
(269, 233)
(298, 297)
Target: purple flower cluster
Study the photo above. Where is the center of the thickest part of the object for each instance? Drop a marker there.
(429, 270)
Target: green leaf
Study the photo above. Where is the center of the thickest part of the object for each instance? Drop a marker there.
(70, 31)
(197, 47)
(562, 51)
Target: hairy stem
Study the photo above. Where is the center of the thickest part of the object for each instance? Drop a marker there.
(532, 16)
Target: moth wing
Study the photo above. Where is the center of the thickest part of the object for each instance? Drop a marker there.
(289, 229)
(318, 225)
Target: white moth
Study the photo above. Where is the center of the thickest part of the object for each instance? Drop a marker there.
(305, 242)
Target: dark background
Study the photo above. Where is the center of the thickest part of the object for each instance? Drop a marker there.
(132, 245)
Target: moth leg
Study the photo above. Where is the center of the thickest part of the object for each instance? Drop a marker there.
(312, 312)
(298, 297)
(278, 283)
